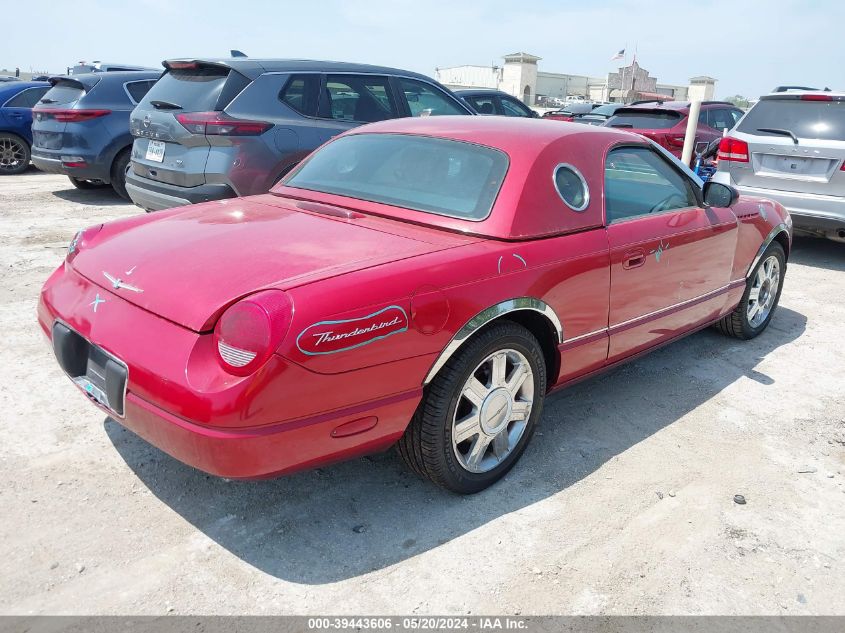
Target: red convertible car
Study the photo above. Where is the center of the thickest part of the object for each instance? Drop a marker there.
(420, 282)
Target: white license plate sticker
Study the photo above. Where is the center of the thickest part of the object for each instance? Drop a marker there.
(155, 151)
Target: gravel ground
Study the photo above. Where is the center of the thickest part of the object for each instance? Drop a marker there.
(622, 504)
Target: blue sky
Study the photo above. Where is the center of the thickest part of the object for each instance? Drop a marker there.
(748, 45)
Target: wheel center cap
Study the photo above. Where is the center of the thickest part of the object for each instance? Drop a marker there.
(496, 411)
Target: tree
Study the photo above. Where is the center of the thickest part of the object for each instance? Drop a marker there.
(739, 101)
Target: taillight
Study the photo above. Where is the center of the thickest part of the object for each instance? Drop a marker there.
(69, 116)
(220, 124)
(673, 141)
(73, 161)
(816, 98)
(182, 65)
(251, 330)
(733, 149)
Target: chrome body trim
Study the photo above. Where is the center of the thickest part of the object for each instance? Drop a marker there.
(484, 317)
(581, 337)
(780, 228)
(643, 318)
(584, 184)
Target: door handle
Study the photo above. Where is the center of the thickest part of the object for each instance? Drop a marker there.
(633, 259)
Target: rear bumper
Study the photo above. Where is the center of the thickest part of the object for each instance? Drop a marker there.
(276, 450)
(809, 211)
(51, 162)
(282, 419)
(155, 196)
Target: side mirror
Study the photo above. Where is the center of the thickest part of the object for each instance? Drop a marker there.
(718, 195)
(535, 114)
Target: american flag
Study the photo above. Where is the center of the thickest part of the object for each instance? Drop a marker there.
(618, 55)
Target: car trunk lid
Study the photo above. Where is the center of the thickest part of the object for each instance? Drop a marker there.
(166, 150)
(192, 263)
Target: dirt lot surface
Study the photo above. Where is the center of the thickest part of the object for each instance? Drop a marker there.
(623, 503)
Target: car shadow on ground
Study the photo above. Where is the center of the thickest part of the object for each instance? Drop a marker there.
(346, 520)
(818, 252)
(32, 170)
(103, 196)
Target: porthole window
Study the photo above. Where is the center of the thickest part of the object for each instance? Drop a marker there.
(571, 187)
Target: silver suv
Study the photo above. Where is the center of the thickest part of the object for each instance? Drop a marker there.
(212, 129)
(790, 147)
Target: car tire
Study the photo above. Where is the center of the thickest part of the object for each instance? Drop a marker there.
(14, 154)
(118, 173)
(86, 184)
(497, 420)
(761, 296)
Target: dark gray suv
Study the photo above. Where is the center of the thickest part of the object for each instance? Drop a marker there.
(212, 129)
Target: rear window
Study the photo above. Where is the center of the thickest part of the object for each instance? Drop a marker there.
(648, 120)
(199, 89)
(439, 176)
(605, 110)
(823, 120)
(63, 92)
(578, 108)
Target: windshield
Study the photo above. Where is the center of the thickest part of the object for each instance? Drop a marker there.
(823, 120)
(444, 177)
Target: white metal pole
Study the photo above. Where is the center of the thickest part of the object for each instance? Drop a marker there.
(692, 126)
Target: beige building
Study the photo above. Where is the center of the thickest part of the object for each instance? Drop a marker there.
(520, 76)
(702, 88)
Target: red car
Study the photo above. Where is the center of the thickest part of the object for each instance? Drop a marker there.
(421, 282)
(666, 122)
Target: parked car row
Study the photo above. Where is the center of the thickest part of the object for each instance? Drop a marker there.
(666, 122)
(210, 129)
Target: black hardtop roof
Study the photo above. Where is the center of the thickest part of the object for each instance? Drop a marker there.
(253, 67)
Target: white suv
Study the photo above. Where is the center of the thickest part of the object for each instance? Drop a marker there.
(790, 147)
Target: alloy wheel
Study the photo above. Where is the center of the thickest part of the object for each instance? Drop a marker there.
(764, 291)
(493, 410)
(12, 154)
